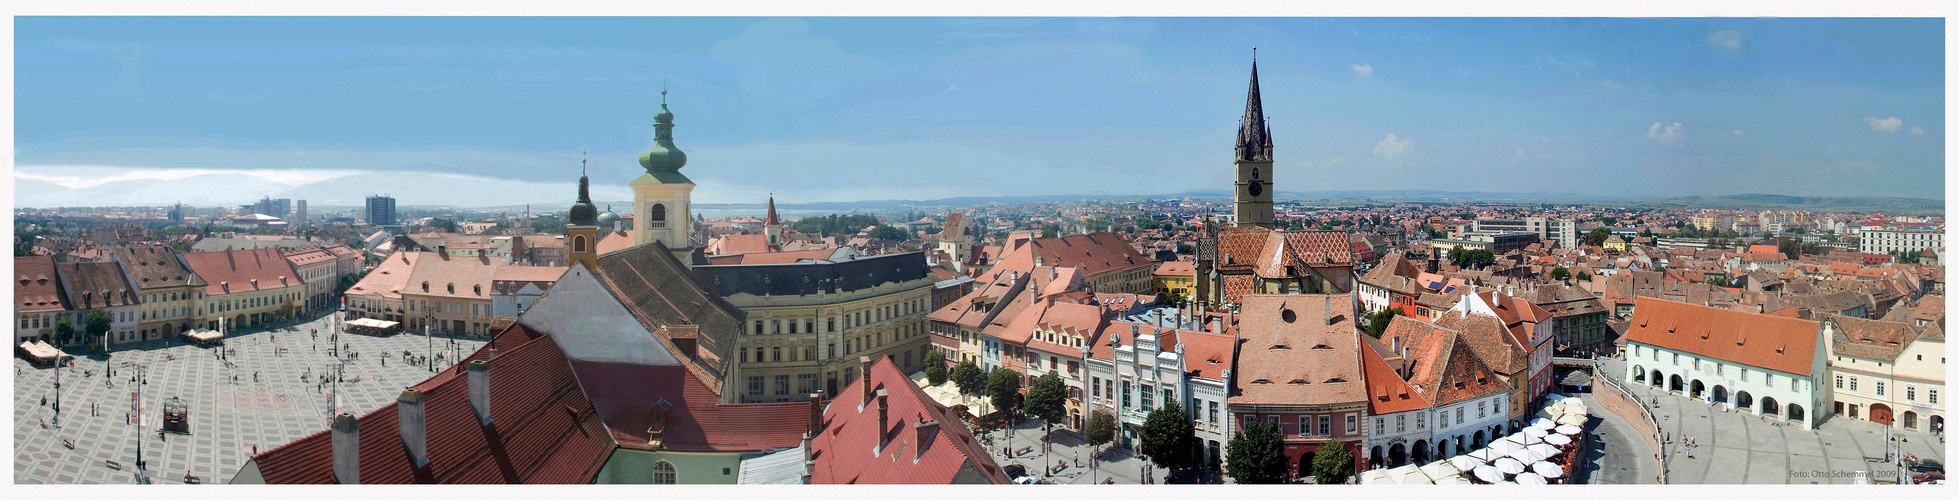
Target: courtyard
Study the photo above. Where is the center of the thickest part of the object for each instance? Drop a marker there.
(1733, 447)
(277, 398)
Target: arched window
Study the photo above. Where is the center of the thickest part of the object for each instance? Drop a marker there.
(664, 473)
(578, 244)
(659, 212)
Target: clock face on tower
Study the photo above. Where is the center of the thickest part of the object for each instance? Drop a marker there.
(1254, 187)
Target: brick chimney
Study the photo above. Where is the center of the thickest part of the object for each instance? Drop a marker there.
(865, 362)
(924, 432)
(883, 421)
(815, 413)
(346, 449)
(479, 390)
(414, 425)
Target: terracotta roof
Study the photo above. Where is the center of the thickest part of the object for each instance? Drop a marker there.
(1386, 391)
(529, 273)
(307, 256)
(848, 450)
(740, 244)
(1091, 253)
(1869, 339)
(1206, 355)
(156, 266)
(1239, 247)
(1772, 342)
(1236, 286)
(771, 257)
(388, 278)
(1303, 361)
(1565, 301)
(1176, 268)
(452, 276)
(696, 421)
(233, 270)
(37, 287)
(1491, 340)
(955, 225)
(543, 431)
(660, 291)
(1441, 363)
(613, 241)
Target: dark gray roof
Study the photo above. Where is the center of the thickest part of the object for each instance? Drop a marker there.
(660, 291)
(808, 277)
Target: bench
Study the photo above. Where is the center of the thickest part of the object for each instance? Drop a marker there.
(190, 479)
(1110, 480)
(1056, 468)
(114, 464)
(1023, 451)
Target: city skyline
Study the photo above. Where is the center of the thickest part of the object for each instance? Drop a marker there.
(822, 110)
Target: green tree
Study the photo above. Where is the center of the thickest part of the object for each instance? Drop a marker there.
(1476, 259)
(1584, 276)
(1717, 280)
(1172, 298)
(968, 377)
(1169, 438)
(935, 371)
(1256, 455)
(442, 223)
(1048, 400)
(1003, 386)
(1100, 428)
(548, 225)
(1597, 236)
(1186, 249)
(64, 330)
(1560, 273)
(1049, 231)
(1333, 464)
(1377, 321)
(889, 233)
(96, 323)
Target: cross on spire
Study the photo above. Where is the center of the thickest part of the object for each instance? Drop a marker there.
(581, 163)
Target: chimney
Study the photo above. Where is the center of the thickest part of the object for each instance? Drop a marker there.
(815, 413)
(1327, 312)
(346, 449)
(925, 431)
(414, 425)
(883, 421)
(479, 390)
(809, 458)
(865, 363)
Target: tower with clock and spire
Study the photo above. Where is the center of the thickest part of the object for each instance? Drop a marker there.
(662, 197)
(1252, 196)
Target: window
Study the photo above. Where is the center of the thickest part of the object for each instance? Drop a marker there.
(777, 351)
(1839, 381)
(1380, 425)
(1326, 425)
(1400, 423)
(758, 355)
(744, 355)
(809, 352)
(1911, 393)
(781, 385)
(1097, 389)
(805, 383)
(1351, 424)
(1305, 425)
(755, 385)
(775, 327)
(664, 473)
(1853, 384)
(1421, 421)
(1744, 374)
(833, 325)
(1149, 398)
(1459, 412)
(1125, 394)
(1214, 412)
(1795, 384)
(1880, 388)
(1274, 421)
(1479, 409)
(1932, 396)
(1249, 420)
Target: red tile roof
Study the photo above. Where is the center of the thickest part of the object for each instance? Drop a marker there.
(848, 450)
(1292, 356)
(233, 270)
(740, 244)
(543, 431)
(1176, 268)
(1386, 391)
(625, 393)
(1206, 355)
(389, 278)
(1777, 343)
(37, 288)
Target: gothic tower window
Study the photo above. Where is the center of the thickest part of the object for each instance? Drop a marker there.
(659, 212)
(578, 243)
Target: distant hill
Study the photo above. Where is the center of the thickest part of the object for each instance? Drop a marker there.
(1811, 203)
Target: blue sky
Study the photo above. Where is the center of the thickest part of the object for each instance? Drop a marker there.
(838, 109)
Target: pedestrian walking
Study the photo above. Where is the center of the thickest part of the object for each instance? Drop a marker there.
(44, 400)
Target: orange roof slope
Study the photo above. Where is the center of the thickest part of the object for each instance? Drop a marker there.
(1386, 391)
(1773, 342)
(1291, 355)
(848, 451)
(36, 286)
(237, 268)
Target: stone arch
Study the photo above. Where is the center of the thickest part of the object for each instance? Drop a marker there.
(658, 212)
(1936, 422)
(1795, 412)
(1639, 374)
(1442, 448)
(1375, 458)
(1656, 379)
(665, 473)
(1744, 401)
(1306, 464)
(1421, 451)
(1478, 442)
(578, 244)
(1769, 407)
(1696, 389)
(1397, 455)
(1674, 384)
(1720, 394)
(1881, 413)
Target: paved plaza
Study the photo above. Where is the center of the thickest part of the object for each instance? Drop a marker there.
(1614, 451)
(1121, 465)
(1732, 447)
(270, 404)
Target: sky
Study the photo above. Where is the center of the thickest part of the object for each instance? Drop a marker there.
(497, 111)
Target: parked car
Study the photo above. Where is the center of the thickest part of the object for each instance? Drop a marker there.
(1923, 465)
(1015, 471)
(1030, 480)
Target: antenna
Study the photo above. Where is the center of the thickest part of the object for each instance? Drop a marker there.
(1254, 54)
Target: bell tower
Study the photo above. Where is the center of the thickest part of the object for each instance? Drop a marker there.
(662, 196)
(582, 230)
(1252, 193)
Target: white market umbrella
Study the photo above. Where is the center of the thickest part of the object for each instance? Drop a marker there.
(1542, 424)
(1529, 439)
(1508, 465)
(1465, 462)
(1484, 454)
(1536, 432)
(1547, 469)
(1522, 455)
(1529, 478)
(1572, 419)
(1558, 439)
(1576, 409)
(1488, 474)
(1452, 480)
(1375, 476)
(1574, 401)
(1439, 469)
(1519, 439)
(1570, 430)
(1555, 397)
(1409, 474)
(1545, 449)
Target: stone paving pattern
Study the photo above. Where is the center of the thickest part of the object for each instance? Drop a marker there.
(1742, 448)
(227, 420)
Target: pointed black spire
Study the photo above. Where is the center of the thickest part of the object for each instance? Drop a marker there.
(1254, 138)
(584, 213)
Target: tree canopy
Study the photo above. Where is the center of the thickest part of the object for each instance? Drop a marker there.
(442, 223)
(968, 377)
(1256, 455)
(1333, 464)
(64, 330)
(1100, 428)
(834, 224)
(1377, 321)
(1048, 397)
(935, 371)
(1560, 273)
(96, 323)
(1003, 386)
(1169, 437)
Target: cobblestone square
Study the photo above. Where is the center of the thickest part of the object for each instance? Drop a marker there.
(276, 399)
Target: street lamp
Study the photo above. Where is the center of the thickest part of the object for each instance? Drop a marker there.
(136, 407)
(428, 332)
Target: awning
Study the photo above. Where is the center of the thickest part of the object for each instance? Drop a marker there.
(1409, 474)
(39, 350)
(204, 335)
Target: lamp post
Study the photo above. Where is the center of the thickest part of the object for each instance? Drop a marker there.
(136, 407)
(428, 332)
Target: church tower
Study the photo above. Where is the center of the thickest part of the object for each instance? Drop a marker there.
(1253, 194)
(662, 196)
(773, 226)
(582, 231)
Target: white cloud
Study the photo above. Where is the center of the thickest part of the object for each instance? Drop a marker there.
(1364, 70)
(1668, 135)
(1738, 133)
(1729, 39)
(1917, 131)
(1392, 149)
(1610, 84)
(1887, 125)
